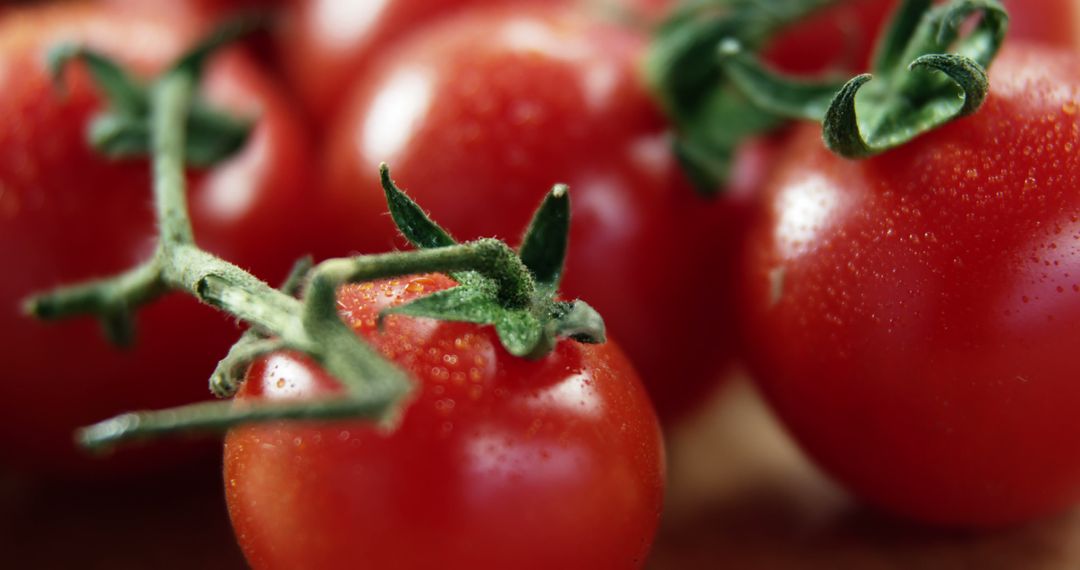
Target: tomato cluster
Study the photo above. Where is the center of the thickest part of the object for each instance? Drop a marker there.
(909, 315)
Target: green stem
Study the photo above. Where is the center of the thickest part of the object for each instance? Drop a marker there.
(220, 416)
(170, 105)
(230, 371)
(489, 257)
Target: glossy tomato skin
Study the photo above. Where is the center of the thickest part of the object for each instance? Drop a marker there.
(67, 214)
(324, 45)
(913, 317)
(481, 115)
(201, 12)
(839, 38)
(498, 462)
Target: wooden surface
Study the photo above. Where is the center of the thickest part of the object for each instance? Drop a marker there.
(741, 497)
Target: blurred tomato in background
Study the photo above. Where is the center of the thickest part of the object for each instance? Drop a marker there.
(479, 106)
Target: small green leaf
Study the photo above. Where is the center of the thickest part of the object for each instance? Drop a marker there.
(579, 321)
(519, 332)
(775, 92)
(226, 33)
(710, 117)
(462, 304)
(710, 133)
(889, 53)
(969, 76)
(213, 136)
(410, 219)
(125, 95)
(841, 123)
(120, 136)
(543, 249)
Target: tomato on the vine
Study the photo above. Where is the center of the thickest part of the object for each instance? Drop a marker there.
(483, 113)
(68, 214)
(912, 316)
(497, 462)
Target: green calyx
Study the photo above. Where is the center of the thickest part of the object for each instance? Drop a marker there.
(123, 130)
(710, 114)
(514, 292)
(929, 69)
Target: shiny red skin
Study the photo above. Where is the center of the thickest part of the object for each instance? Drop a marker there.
(835, 39)
(67, 214)
(498, 462)
(202, 12)
(1054, 22)
(325, 45)
(478, 125)
(913, 317)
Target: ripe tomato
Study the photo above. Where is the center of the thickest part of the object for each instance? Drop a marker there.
(482, 114)
(838, 38)
(498, 462)
(326, 44)
(912, 316)
(202, 12)
(67, 214)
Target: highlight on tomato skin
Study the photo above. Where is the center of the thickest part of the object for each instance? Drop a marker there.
(67, 213)
(497, 462)
(912, 317)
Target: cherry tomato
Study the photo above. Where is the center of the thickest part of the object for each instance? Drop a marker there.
(326, 44)
(481, 114)
(68, 214)
(837, 38)
(201, 12)
(498, 462)
(1054, 22)
(912, 316)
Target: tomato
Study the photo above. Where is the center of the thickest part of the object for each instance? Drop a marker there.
(326, 44)
(203, 12)
(498, 462)
(67, 214)
(912, 316)
(836, 38)
(1055, 22)
(482, 114)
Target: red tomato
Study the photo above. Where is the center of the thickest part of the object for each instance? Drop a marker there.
(479, 117)
(1055, 22)
(203, 12)
(67, 214)
(498, 462)
(912, 316)
(326, 44)
(838, 38)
